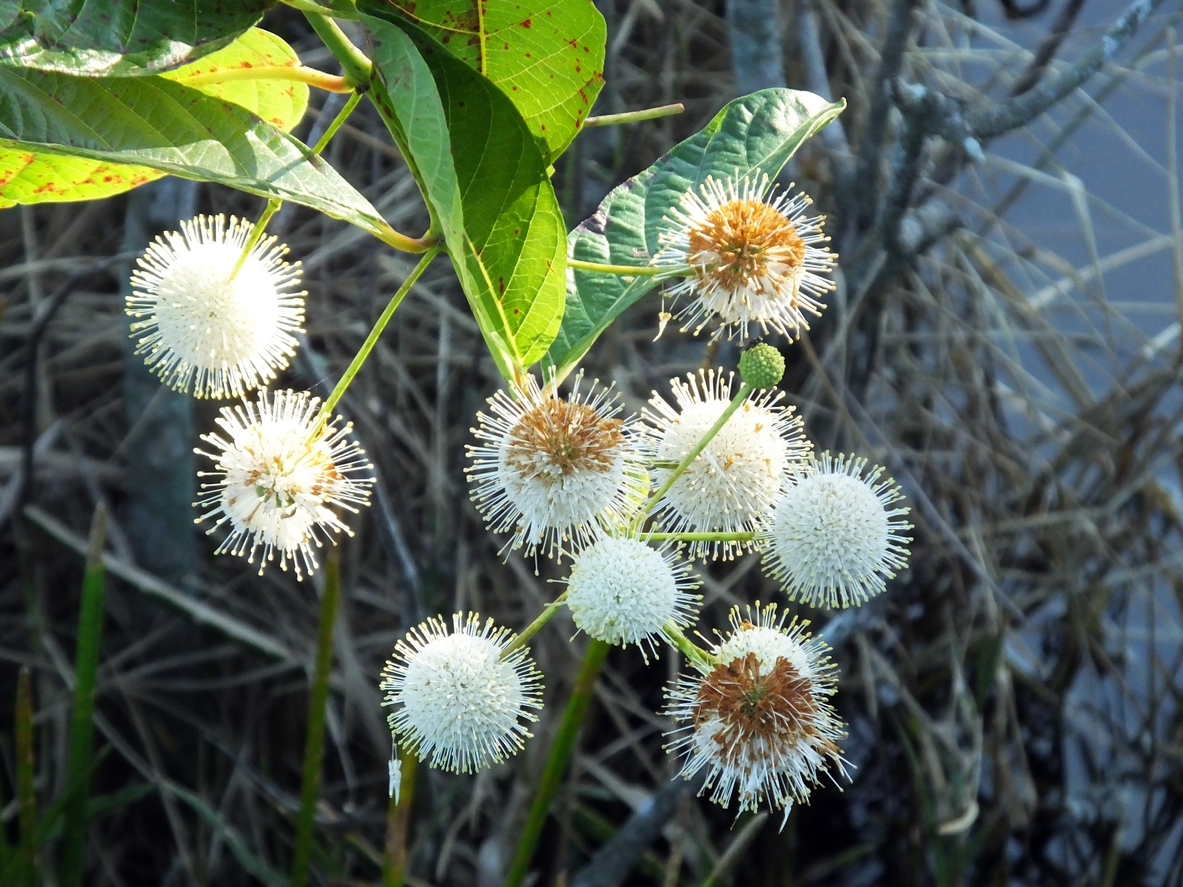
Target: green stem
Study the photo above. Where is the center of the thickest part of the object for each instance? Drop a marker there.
(372, 338)
(337, 123)
(623, 270)
(26, 796)
(635, 116)
(532, 629)
(353, 60)
(556, 763)
(691, 650)
(398, 818)
(740, 396)
(311, 76)
(318, 700)
(86, 658)
(701, 537)
(256, 234)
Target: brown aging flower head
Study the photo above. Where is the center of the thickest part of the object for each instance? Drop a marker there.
(759, 721)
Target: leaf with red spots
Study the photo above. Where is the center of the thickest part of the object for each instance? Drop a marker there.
(485, 180)
(27, 177)
(126, 38)
(754, 134)
(546, 55)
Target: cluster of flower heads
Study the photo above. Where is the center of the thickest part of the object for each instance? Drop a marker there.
(217, 309)
(631, 500)
(710, 473)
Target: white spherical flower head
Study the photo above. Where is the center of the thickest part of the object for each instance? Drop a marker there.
(623, 591)
(759, 722)
(733, 484)
(753, 257)
(279, 474)
(555, 471)
(459, 701)
(835, 538)
(223, 333)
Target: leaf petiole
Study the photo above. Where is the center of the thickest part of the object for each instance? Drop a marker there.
(623, 270)
(636, 116)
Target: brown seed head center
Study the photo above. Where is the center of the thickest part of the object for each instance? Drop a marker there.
(736, 241)
(557, 438)
(777, 705)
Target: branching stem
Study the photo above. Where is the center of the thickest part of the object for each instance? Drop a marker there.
(740, 396)
(337, 123)
(701, 537)
(256, 234)
(372, 339)
(690, 650)
(530, 630)
(353, 60)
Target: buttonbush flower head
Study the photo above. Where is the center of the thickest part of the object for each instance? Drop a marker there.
(279, 479)
(623, 591)
(759, 723)
(222, 336)
(752, 261)
(734, 482)
(457, 700)
(835, 538)
(554, 471)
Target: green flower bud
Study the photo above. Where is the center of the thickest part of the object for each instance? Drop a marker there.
(761, 366)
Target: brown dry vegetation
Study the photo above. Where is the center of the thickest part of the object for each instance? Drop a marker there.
(1013, 700)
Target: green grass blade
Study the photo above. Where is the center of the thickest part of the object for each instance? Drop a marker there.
(25, 795)
(556, 763)
(398, 820)
(314, 741)
(86, 661)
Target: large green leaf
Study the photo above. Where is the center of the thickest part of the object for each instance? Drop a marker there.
(487, 183)
(756, 133)
(546, 55)
(27, 177)
(168, 127)
(102, 38)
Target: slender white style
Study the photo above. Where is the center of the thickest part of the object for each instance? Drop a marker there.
(753, 257)
(458, 701)
(733, 484)
(280, 477)
(555, 471)
(223, 336)
(759, 722)
(624, 591)
(835, 538)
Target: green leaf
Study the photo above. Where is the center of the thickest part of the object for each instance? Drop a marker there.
(486, 182)
(104, 38)
(754, 133)
(547, 57)
(156, 123)
(28, 177)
